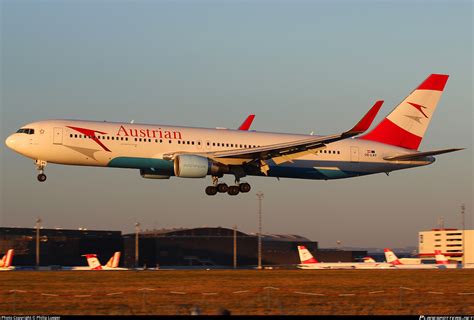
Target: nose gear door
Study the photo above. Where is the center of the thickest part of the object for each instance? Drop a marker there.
(58, 135)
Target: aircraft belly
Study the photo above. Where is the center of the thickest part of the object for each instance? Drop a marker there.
(323, 170)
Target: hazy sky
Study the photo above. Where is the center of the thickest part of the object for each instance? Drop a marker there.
(300, 66)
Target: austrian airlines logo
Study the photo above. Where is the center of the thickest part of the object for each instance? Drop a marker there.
(91, 133)
(419, 108)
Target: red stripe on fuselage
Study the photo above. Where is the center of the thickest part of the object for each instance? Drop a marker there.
(389, 133)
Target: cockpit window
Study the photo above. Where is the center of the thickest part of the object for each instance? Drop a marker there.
(26, 130)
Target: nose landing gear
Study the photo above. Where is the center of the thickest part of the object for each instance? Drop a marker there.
(40, 165)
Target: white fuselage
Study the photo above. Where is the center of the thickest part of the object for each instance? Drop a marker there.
(142, 146)
(345, 265)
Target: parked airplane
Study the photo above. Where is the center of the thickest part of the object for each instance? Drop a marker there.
(160, 152)
(393, 259)
(6, 262)
(310, 262)
(94, 263)
(443, 262)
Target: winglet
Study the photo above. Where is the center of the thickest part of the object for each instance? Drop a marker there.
(366, 121)
(247, 123)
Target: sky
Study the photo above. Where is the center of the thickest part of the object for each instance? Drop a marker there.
(300, 66)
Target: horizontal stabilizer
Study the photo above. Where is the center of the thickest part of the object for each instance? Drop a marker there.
(419, 155)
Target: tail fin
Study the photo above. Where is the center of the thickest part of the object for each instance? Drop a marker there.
(440, 258)
(305, 256)
(369, 260)
(7, 259)
(93, 262)
(391, 257)
(406, 125)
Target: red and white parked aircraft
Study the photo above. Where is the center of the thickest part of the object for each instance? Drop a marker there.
(6, 262)
(310, 262)
(393, 259)
(94, 263)
(160, 151)
(443, 262)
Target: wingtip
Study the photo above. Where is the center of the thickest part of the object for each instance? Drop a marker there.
(247, 123)
(368, 118)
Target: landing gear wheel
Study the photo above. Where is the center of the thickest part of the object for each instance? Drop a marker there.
(245, 187)
(211, 190)
(233, 190)
(222, 188)
(41, 177)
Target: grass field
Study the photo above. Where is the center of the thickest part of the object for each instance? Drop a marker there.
(242, 292)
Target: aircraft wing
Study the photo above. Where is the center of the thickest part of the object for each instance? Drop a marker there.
(288, 148)
(282, 152)
(419, 155)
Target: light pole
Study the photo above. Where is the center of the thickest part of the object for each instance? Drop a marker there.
(463, 208)
(235, 247)
(38, 225)
(260, 198)
(137, 231)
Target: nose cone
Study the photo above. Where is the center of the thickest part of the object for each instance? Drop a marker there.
(10, 142)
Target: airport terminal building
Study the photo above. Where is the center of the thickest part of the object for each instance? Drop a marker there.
(211, 247)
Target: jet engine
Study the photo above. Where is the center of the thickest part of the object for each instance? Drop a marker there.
(191, 166)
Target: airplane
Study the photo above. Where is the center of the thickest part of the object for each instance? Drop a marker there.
(310, 262)
(443, 262)
(393, 259)
(94, 263)
(160, 151)
(6, 262)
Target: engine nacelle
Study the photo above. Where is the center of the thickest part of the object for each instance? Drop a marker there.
(191, 166)
(151, 174)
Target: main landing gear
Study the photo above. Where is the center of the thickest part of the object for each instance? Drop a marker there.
(40, 165)
(223, 187)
